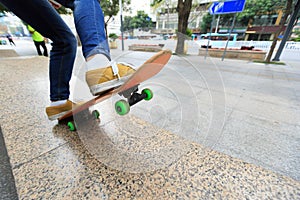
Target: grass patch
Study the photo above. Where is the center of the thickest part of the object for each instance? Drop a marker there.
(271, 62)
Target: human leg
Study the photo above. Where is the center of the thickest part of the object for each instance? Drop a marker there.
(43, 44)
(11, 42)
(44, 18)
(90, 27)
(38, 49)
(41, 15)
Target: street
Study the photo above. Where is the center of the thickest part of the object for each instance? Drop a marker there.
(290, 54)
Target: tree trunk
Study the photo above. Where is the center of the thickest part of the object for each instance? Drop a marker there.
(183, 8)
(106, 24)
(281, 27)
(105, 27)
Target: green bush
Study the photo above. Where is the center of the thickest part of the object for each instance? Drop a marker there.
(297, 39)
(113, 36)
(189, 33)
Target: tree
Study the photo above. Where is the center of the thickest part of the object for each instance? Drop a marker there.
(183, 9)
(297, 38)
(141, 20)
(111, 8)
(127, 25)
(2, 8)
(206, 23)
(288, 10)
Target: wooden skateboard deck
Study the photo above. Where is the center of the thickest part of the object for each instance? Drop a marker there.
(129, 89)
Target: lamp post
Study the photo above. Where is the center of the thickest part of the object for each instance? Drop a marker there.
(168, 17)
(121, 20)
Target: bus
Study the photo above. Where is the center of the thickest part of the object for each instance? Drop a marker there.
(219, 36)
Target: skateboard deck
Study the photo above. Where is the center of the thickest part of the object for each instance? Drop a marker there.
(129, 89)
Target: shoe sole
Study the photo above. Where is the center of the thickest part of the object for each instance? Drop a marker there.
(99, 88)
(54, 117)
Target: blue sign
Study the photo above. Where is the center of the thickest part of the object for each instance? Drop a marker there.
(227, 7)
(280, 36)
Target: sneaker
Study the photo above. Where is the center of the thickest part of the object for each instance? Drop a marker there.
(55, 112)
(103, 79)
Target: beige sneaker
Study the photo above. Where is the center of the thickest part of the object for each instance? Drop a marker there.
(100, 80)
(55, 112)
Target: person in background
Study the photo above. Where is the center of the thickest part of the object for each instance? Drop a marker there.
(10, 39)
(38, 40)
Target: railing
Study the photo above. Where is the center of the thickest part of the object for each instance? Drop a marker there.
(291, 49)
(263, 45)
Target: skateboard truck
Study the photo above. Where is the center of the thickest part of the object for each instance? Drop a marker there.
(122, 107)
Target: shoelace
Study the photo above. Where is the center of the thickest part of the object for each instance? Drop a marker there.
(115, 69)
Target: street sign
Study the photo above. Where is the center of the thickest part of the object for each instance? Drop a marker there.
(227, 7)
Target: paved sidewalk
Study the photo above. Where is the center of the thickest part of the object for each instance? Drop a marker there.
(214, 130)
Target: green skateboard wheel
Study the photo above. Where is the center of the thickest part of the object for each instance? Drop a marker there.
(122, 107)
(149, 94)
(96, 114)
(71, 126)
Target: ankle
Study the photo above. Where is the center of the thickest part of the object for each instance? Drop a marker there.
(58, 103)
(97, 61)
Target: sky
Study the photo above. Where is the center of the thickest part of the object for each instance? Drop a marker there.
(137, 5)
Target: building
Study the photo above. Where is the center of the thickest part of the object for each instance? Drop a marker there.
(264, 27)
(167, 16)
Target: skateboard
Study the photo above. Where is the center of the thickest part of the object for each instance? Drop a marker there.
(129, 90)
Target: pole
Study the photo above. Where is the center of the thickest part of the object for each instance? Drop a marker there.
(168, 18)
(287, 31)
(209, 37)
(217, 26)
(121, 19)
(231, 29)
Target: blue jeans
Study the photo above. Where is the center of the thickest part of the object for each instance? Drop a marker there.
(89, 21)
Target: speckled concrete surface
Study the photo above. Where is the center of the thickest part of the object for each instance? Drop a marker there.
(8, 53)
(50, 162)
(69, 172)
